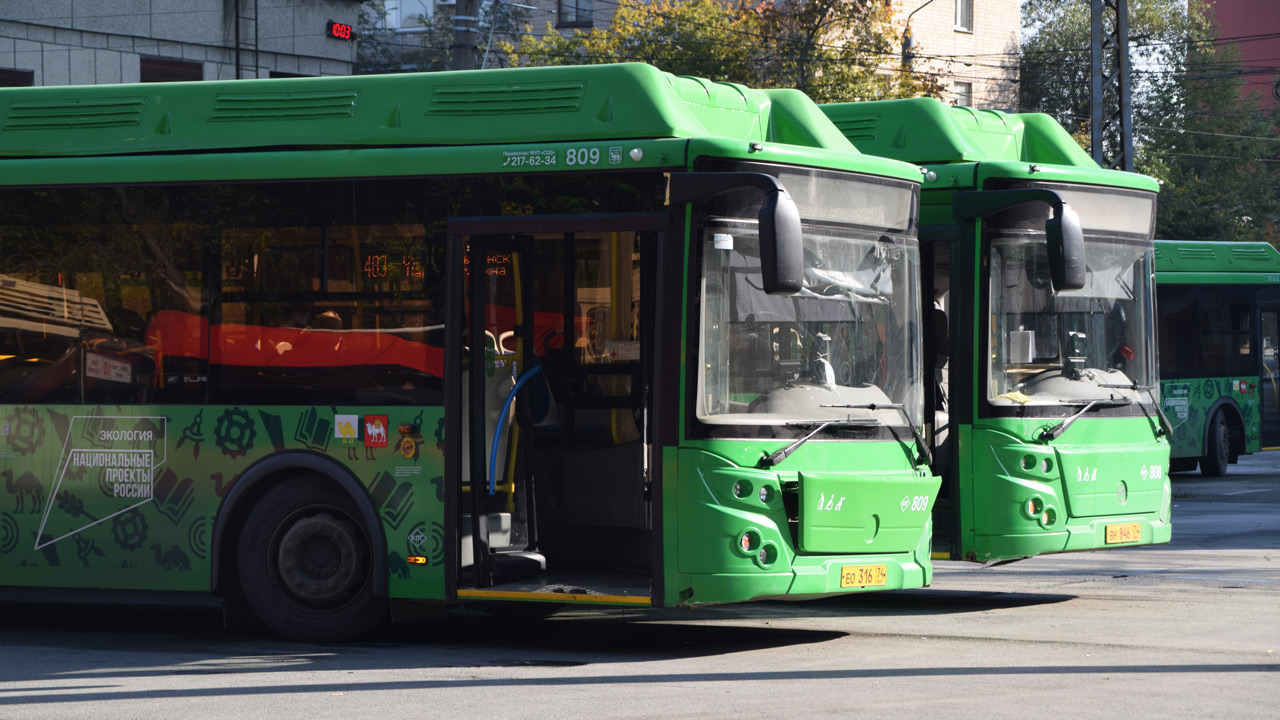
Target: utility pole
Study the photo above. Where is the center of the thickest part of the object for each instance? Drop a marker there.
(466, 34)
(1109, 66)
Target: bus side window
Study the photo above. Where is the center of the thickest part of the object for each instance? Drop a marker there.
(44, 328)
(117, 371)
(38, 368)
(179, 346)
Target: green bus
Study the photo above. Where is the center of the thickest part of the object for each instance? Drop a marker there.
(1041, 330)
(334, 349)
(1219, 318)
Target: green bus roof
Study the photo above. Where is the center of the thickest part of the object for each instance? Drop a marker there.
(925, 131)
(1198, 261)
(581, 103)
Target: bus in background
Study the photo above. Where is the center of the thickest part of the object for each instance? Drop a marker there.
(325, 347)
(1038, 274)
(1218, 306)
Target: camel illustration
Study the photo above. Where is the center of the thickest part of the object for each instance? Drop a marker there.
(349, 434)
(347, 431)
(27, 485)
(376, 432)
(171, 559)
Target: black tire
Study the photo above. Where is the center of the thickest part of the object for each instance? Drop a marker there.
(1217, 448)
(305, 564)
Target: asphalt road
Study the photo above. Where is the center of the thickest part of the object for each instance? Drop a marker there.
(1191, 629)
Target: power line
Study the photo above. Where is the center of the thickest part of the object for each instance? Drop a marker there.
(1223, 157)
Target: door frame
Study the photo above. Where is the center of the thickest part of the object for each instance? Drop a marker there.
(1265, 433)
(458, 230)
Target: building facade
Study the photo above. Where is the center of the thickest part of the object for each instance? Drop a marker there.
(1254, 27)
(970, 45)
(89, 42)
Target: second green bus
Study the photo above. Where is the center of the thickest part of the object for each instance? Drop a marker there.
(1040, 329)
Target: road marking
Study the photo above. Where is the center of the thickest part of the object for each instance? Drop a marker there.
(1246, 492)
(1217, 578)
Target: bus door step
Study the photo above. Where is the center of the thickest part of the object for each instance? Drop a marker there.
(514, 564)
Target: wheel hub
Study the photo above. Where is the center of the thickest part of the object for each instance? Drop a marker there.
(319, 559)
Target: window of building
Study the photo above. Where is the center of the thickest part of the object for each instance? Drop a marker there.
(964, 94)
(17, 78)
(167, 70)
(574, 13)
(410, 13)
(964, 15)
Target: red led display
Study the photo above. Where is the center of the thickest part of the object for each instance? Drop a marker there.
(342, 31)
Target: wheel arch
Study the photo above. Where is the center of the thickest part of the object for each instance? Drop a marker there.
(1234, 415)
(265, 474)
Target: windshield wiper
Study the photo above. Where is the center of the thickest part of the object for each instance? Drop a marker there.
(1164, 426)
(778, 456)
(1056, 431)
(920, 443)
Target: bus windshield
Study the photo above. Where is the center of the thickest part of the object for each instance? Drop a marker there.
(1080, 346)
(846, 347)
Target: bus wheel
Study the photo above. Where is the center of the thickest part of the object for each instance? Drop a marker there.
(304, 564)
(1217, 448)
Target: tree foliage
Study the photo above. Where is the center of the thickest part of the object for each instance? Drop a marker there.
(382, 50)
(832, 50)
(1217, 153)
(377, 48)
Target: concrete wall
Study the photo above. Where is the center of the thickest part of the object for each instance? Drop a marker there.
(68, 42)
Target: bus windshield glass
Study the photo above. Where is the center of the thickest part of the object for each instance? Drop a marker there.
(846, 347)
(1079, 346)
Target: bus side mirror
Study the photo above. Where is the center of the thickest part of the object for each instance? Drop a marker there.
(1063, 233)
(781, 239)
(1066, 248)
(781, 245)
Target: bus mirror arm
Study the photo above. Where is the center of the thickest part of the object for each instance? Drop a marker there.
(1063, 232)
(781, 239)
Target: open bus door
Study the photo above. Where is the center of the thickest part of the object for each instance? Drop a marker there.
(552, 496)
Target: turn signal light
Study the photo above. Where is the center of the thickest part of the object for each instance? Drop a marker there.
(1035, 506)
(416, 560)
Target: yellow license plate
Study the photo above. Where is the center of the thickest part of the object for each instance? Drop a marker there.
(864, 575)
(1128, 532)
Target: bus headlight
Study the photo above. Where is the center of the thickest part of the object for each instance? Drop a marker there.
(1048, 517)
(767, 554)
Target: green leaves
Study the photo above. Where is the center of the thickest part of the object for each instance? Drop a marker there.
(1217, 153)
(832, 50)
